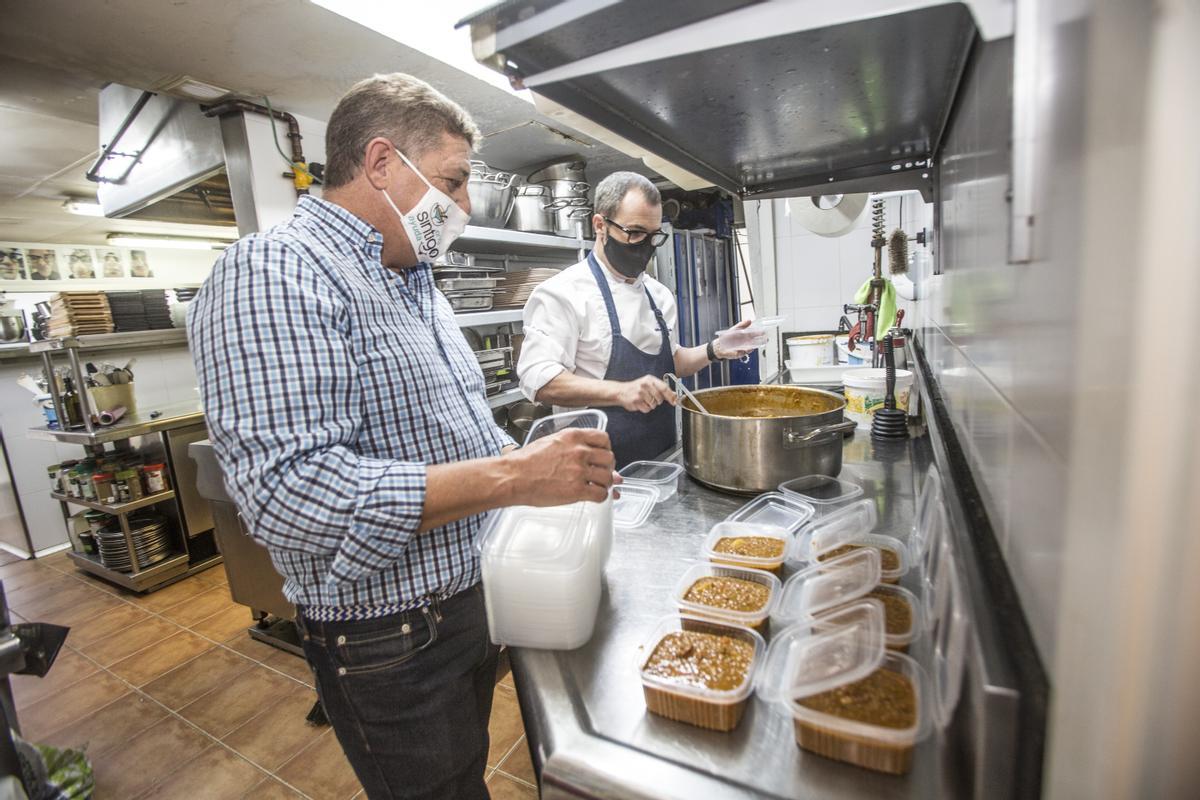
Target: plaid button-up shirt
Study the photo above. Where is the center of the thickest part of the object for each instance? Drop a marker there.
(329, 384)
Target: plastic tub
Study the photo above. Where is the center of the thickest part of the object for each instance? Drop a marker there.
(823, 493)
(865, 390)
(809, 669)
(845, 530)
(683, 701)
(810, 351)
(752, 336)
(633, 507)
(741, 554)
(774, 509)
(661, 476)
(756, 618)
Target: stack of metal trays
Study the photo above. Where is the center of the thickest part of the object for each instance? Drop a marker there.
(473, 300)
(151, 539)
(515, 287)
(454, 285)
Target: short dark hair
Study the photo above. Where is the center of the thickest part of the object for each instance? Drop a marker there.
(612, 190)
(406, 110)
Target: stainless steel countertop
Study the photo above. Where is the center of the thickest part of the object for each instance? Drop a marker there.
(584, 710)
(171, 415)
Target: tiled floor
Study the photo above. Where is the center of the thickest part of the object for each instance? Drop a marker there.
(174, 700)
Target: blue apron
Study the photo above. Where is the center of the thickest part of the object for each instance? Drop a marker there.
(636, 436)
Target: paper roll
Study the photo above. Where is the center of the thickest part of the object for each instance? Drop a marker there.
(830, 214)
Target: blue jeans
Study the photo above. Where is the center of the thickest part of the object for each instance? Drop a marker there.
(409, 696)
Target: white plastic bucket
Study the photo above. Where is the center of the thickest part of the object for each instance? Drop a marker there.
(865, 390)
(844, 356)
(810, 351)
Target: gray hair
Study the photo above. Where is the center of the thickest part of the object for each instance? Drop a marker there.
(612, 190)
(403, 109)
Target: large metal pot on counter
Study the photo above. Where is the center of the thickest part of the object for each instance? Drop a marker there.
(756, 437)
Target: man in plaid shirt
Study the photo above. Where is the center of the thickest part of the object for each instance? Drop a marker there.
(349, 417)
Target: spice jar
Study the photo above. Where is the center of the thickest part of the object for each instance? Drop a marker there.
(128, 485)
(64, 477)
(155, 476)
(52, 473)
(96, 520)
(83, 482)
(102, 485)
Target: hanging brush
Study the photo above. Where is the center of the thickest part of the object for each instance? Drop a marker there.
(898, 252)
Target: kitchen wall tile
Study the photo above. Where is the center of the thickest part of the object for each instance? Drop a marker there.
(817, 269)
(43, 518)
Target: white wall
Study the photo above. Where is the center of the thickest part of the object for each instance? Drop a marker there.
(274, 195)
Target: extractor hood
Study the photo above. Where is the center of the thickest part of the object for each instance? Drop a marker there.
(762, 99)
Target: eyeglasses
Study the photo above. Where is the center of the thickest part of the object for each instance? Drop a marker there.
(657, 238)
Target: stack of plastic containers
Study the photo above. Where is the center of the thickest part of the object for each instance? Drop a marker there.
(542, 567)
(847, 529)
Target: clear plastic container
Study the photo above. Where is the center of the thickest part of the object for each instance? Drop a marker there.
(929, 516)
(718, 710)
(774, 509)
(745, 530)
(752, 619)
(806, 661)
(823, 493)
(756, 334)
(846, 529)
(589, 418)
(661, 476)
(633, 507)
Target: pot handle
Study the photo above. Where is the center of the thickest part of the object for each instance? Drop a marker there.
(793, 438)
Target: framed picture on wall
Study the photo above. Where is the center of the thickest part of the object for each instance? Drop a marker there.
(80, 263)
(42, 264)
(12, 264)
(111, 261)
(139, 265)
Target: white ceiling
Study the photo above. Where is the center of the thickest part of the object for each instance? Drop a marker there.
(59, 53)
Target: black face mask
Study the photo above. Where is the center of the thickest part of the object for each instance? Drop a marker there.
(628, 259)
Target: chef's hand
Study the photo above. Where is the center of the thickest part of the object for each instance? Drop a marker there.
(727, 354)
(645, 394)
(565, 467)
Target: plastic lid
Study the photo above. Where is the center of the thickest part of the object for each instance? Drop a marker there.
(926, 519)
(633, 507)
(706, 570)
(739, 530)
(821, 490)
(806, 659)
(933, 567)
(584, 418)
(774, 509)
(845, 526)
(554, 537)
(949, 653)
(653, 472)
(829, 584)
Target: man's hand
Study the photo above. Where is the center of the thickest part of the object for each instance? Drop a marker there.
(572, 465)
(645, 394)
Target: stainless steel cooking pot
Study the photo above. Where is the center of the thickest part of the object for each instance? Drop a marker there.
(569, 170)
(491, 195)
(571, 215)
(756, 437)
(530, 212)
(567, 188)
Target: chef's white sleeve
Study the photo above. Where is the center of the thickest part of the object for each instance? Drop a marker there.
(552, 331)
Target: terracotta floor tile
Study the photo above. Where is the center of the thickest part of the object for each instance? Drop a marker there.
(234, 702)
(137, 636)
(251, 648)
(112, 620)
(169, 596)
(271, 789)
(113, 725)
(279, 732)
(69, 705)
(223, 625)
(505, 726)
(518, 763)
(80, 614)
(291, 665)
(194, 679)
(215, 774)
(31, 585)
(158, 659)
(213, 576)
(321, 770)
(55, 597)
(68, 668)
(502, 787)
(190, 611)
(162, 750)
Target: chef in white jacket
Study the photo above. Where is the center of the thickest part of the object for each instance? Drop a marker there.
(601, 333)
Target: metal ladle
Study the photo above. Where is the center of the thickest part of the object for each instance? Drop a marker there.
(679, 387)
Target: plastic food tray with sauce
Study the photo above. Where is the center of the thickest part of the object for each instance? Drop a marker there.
(745, 544)
(699, 671)
(728, 594)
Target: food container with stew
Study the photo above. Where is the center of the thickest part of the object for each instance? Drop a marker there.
(749, 439)
(662, 476)
(728, 594)
(743, 544)
(699, 671)
(850, 698)
(826, 588)
(850, 529)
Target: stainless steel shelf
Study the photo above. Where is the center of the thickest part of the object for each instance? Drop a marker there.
(173, 415)
(501, 240)
(162, 572)
(504, 398)
(498, 317)
(119, 508)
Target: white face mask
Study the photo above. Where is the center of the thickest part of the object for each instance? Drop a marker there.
(434, 222)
